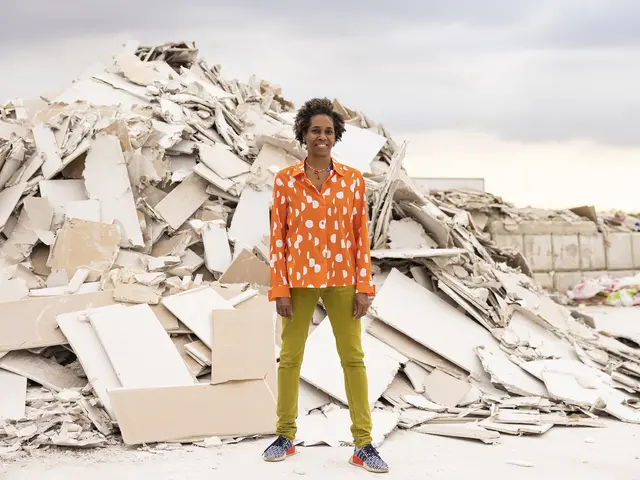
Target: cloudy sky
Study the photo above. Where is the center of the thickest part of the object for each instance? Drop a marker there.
(539, 97)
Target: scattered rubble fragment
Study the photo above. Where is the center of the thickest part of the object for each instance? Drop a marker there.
(134, 209)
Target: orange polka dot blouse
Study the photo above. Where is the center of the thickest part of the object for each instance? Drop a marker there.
(319, 238)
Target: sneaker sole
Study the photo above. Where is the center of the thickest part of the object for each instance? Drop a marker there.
(279, 459)
(368, 469)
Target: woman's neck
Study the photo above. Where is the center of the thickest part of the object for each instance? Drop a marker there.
(318, 162)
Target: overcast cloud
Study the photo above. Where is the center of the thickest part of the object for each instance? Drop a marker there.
(545, 70)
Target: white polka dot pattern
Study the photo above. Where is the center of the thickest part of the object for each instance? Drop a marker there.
(325, 244)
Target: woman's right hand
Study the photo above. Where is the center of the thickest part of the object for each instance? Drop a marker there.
(284, 307)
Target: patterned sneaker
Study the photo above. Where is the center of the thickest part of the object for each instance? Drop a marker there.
(368, 458)
(280, 449)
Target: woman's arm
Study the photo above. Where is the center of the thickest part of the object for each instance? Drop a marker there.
(279, 284)
(364, 281)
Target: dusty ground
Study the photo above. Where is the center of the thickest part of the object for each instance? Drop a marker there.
(610, 453)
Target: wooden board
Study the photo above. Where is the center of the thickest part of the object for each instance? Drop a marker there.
(41, 370)
(195, 412)
(31, 323)
(140, 350)
(93, 358)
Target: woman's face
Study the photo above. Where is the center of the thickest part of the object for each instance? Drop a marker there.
(320, 137)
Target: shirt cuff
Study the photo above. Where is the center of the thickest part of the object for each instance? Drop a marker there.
(364, 287)
(278, 292)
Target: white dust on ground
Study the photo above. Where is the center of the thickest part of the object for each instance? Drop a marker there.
(609, 453)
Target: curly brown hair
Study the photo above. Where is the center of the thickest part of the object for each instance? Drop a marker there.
(311, 108)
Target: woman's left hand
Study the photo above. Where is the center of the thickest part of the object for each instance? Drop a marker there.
(360, 305)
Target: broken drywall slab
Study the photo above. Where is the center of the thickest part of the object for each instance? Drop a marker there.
(33, 226)
(322, 368)
(509, 375)
(9, 198)
(31, 323)
(44, 371)
(358, 147)
(194, 308)
(250, 220)
(106, 179)
(12, 290)
(416, 375)
(139, 349)
(48, 150)
(415, 253)
(621, 322)
(271, 160)
(469, 431)
(61, 193)
(189, 263)
(244, 342)
(183, 201)
(310, 398)
(91, 355)
(224, 184)
(92, 287)
(84, 210)
(442, 328)
(167, 319)
(528, 331)
(332, 427)
(412, 417)
(246, 268)
(83, 244)
(217, 251)
(175, 245)
(222, 161)
(409, 234)
(13, 397)
(136, 293)
(195, 368)
(515, 429)
(412, 349)
(443, 389)
(200, 352)
(195, 412)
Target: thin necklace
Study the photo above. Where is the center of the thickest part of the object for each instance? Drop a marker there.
(316, 172)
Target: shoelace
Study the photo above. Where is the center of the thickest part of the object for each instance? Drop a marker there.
(370, 451)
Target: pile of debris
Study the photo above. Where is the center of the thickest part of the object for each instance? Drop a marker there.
(487, 208)
(134, 269)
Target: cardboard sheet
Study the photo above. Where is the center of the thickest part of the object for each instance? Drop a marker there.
(422, 315)
(32, 323)
(321, 365)
(139, 349)
(195, 412)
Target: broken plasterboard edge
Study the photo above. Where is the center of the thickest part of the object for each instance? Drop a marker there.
(14, 396)
(31, 323)
(44, 371)
(106, 179)
(246, 268)
(91, 355)
(250, 220)
(470, 431)
(223, 162)
(9, 198)
(183, 201)
(444, 329)
(194, 412)
(48, 150)
(416, 253)
(443, 389)
(358, 147)
(321, 366)
(194, 308)
(217, 251)
(155, 362)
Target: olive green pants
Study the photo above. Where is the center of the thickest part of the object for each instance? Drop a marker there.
(347, 331)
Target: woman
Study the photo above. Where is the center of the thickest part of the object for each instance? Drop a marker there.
(320, 249)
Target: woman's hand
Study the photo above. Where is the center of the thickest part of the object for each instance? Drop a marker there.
(360, 305)
(284, 307)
